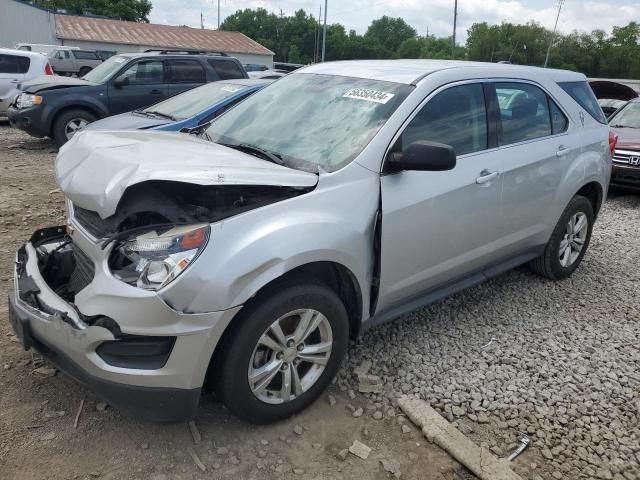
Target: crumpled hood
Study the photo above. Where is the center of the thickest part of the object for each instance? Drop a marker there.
(126, 121)
(94, 169)
(51, 82)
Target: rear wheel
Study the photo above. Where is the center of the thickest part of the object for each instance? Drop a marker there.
(287, 348)
(68, 123)
(569, 241)
(83, 71)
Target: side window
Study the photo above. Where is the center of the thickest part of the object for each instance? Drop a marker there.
(66, 54)
(456, 117)
(524, 112)
(14, 64)
(144, 73)
(559, 122)
(85, 55)
(226, 69)
(186, 71)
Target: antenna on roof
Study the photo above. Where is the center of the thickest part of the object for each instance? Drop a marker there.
(201, 21)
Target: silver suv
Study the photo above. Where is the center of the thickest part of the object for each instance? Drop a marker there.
(246, 255)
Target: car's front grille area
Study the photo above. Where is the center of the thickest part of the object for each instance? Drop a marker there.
(83, 272)
(627, 157)
(91, 222)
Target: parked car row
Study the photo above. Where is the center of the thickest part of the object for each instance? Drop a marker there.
(245, 255)
(57, 107)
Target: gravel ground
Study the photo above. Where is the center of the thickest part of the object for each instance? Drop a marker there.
(557, 360)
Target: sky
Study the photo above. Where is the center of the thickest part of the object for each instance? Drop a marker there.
(432, 16)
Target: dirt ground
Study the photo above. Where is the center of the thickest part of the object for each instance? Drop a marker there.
(37, 413)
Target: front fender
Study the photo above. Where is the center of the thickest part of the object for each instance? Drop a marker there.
(333, 223)
(82, 102)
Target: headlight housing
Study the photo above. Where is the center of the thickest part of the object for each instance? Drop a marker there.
(151, 261)
(26, 100)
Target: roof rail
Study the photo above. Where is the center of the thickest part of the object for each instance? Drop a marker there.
(184, 51)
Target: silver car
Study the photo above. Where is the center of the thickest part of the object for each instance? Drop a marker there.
(245, 256)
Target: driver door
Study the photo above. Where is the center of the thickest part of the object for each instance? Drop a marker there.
(438, 227)
(144, 84)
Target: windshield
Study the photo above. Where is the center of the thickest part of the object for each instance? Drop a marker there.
(103, 72)
(311, 120)
(194, 101)
(628, 117)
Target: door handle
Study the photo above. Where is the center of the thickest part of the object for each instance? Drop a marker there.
(486, 176)
(14, 81)
(155, 91)
(563, 150)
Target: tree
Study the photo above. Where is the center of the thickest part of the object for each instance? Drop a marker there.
(389, 33)
(131, 10)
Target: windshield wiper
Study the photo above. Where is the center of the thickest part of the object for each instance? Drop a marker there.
(257, 151)
(160, 114)
(624, 126)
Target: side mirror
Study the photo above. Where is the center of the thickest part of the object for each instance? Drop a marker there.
(423, 156)
(120, 82)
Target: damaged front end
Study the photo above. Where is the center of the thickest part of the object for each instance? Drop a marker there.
(159, 228)
(65, 270)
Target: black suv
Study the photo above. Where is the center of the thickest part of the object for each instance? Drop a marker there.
(57, 107)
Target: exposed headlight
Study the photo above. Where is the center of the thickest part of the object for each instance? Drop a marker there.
(26, 100)
(153, 260)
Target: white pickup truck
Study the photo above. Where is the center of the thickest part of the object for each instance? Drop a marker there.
(65, 61)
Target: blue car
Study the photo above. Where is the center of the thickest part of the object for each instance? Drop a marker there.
(186, 110)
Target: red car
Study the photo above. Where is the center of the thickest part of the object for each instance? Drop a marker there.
(626, 162)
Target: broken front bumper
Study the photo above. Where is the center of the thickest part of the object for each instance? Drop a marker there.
(168, 390)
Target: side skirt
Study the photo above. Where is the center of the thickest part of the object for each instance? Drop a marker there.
(438, 293)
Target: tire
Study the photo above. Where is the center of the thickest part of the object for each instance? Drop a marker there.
(62, 124)
(551, 264)
(83, 71)
(241, 354)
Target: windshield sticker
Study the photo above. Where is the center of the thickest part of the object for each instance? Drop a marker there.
(231, 89)
(369, 95)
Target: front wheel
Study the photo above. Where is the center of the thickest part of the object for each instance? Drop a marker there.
(67, 124)
(569, 241)
(288, 346)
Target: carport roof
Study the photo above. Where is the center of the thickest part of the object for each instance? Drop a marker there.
(105, 30)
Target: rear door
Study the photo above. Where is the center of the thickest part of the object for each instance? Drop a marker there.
(438, 227)
(535, 152)
(13, 69)
(185, 74)
(143, 83)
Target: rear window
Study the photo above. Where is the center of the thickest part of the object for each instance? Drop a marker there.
(581, 92)
(83, 55)
(14, 64)
(226, 69)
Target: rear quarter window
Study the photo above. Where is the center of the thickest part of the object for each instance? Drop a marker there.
(226, 69)
(14, 64)
(581, 92)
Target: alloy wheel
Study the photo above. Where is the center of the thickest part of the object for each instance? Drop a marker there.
(575, 236)
(290, 356)
(73, 126)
